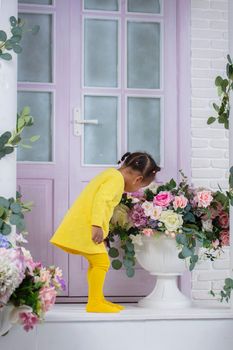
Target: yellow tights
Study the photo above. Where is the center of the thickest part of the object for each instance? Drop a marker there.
(98, 267)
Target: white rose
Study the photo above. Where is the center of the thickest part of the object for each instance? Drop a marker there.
(171, 220)
(121, 217)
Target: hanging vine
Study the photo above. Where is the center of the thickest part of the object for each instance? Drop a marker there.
(224, 88)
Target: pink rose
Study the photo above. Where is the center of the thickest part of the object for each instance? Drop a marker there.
(224, 219)
(225, 237)
(47, 297)
(204, 198)
(147, 232)
(180, 202)
(163, 199)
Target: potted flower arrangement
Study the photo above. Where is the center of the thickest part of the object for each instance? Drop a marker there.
(27, 289)
(162, 227)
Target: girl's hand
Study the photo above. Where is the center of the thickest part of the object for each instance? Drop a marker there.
(97, 234)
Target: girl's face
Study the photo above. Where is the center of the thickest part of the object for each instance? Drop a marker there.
(135, 182)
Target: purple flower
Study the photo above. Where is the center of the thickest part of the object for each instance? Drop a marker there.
(153, 223)
(138, 216)
(4, 243)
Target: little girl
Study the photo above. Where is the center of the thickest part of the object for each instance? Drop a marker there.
(86, 224)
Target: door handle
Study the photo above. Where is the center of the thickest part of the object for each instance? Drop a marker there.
(78, 122)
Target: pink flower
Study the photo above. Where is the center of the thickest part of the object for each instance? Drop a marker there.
(225, 237)
(224, 219)
(215, 243)
(204, 198)
(180, 202)
(47, 296)
(138, 215)
(28, 319)
(147, 232)
(163, 199)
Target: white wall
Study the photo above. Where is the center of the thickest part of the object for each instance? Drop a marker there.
(210, 163)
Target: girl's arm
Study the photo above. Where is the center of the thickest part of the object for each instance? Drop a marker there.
(107, 191)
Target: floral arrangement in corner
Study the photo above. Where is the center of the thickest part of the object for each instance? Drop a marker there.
(194, 217)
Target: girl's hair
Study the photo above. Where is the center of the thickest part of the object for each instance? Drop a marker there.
(142, 162)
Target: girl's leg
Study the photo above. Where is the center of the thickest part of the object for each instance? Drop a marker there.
(120, 307)
(98, 267)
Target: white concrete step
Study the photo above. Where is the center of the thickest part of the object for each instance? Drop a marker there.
(69, 327)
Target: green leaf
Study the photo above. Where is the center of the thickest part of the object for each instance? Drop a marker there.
(180, 255)
(6, 229)
(16, 31)
(211, 120)
(181, 239)
(218, 81)
(17, 49)
(6, 56)
(216, 107)
(130, 272)
(4, 202)
(4, 138)
(25, 111)
(14, 219)
(34, 138)
(186, 252)
(13, 21)
(2, 211)
(16, 208)
(229, 59)
(130, 246)
(8, 150)
(3, 36)
(116, 264)
(113, 252)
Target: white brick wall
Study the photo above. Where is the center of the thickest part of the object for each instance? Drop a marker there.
(209, 35)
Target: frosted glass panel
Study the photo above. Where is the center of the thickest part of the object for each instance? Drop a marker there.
(143, 61)
(144, 125)
(40, 2)
(105, 5)
(100, 141)
(100, 53)
(146, 6)
(41, 109)
(34, 63)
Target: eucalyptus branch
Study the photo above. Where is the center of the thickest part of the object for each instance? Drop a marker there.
(224, 87)
(9, 141)
(12, 43)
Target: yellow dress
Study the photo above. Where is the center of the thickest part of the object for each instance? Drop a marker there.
(94, 206)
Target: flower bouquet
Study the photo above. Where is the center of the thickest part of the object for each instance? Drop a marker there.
(28, 288)
(193, 217)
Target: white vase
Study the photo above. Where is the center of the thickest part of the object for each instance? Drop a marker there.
(5, 317)
(159, 256)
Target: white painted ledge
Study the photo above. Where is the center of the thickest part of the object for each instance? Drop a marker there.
(77, 313)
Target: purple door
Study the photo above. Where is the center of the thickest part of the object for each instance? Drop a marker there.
(101, 81)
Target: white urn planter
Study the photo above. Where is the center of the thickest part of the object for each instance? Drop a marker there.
(159, 256)
(5, 318)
